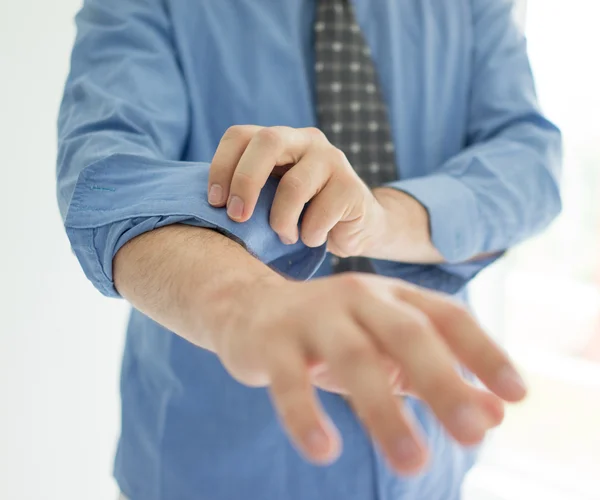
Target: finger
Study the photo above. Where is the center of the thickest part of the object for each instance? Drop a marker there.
(405, 334)
(321, 377)
(270, 147)
(469, 342)
(323, 213)
(357, 365)
(296, 403)
(296, 188)
(410, 453)
(231, 147)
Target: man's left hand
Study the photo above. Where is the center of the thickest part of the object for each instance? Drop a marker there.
(343, 211)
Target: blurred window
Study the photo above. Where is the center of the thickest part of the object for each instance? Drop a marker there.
(543, 300)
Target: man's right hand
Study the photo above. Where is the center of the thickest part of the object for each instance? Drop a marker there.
(354, 327)
(353, 331)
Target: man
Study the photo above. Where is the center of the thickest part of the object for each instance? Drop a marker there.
(408, 143)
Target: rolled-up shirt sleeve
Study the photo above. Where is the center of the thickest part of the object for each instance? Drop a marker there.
(504, 187)
(122, 127)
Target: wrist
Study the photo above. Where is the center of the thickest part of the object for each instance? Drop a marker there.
(235, 300)
(379, 225)
(402, 229)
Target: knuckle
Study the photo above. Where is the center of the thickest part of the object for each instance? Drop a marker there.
(354, 283)
(354, 352)
(437, 383)
(452, 312)
(338, 157)
(270, 137)
(294, 185)
(237, 133)
(316, 134)
(243, 182)
(419, 323)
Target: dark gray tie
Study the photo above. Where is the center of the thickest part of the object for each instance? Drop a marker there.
(350, 107)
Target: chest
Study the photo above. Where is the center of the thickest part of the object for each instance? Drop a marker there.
(252, 61)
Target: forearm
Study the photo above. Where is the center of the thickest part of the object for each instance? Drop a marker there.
(186, 279)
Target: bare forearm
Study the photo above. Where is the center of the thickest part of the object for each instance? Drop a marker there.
(186, 278)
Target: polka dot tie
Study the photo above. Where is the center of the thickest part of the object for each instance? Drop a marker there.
(350, 107)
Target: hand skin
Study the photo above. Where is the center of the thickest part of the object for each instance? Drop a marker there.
(271, 332)
(343, 211)
(384, 223)
(355, 221)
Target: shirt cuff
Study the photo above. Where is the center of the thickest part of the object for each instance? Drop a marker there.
(123, 196)
(453, 214)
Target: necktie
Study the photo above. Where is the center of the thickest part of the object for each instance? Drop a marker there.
(350, 107)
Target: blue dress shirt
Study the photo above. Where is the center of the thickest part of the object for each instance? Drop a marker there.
(153, 86)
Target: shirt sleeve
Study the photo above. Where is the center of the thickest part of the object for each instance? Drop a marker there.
(122, 127)
(504, 186)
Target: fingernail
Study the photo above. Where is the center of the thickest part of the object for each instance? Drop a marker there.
(510, 383)
(286, 241)
(407, 450)
(470, 421)
(235, 207)
(317, 441)
(215, 194)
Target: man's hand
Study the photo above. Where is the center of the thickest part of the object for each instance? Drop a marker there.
(343, 212)
(356, 333)
(352, 326)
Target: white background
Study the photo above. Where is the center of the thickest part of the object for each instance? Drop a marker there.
(60, 341)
